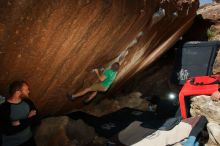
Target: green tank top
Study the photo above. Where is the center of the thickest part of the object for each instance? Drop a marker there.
(110, 77)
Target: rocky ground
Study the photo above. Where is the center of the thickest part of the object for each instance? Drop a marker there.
(203, 105)
(63, 131)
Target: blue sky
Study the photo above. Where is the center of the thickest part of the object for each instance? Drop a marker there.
(205, 1)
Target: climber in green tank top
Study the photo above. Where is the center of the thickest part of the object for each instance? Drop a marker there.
(106, 78)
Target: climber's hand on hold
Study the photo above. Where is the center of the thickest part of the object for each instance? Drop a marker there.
(94, 70)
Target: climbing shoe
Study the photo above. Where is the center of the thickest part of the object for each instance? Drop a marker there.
(87, 100)
(70, 97)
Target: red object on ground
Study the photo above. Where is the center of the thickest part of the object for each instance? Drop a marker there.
(196, 86)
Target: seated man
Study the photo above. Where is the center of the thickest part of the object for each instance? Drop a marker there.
(216, 95)
(106, 79)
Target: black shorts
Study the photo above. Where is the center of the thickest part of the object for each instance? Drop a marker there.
(30, 142)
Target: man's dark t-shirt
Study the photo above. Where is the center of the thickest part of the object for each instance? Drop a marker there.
(16, 135)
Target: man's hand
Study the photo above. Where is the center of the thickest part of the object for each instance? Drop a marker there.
(32, 113)
(96, 70)
(15, 123)
(100, 75)
(215, 96)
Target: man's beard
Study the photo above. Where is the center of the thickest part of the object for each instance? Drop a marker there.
(24, 96)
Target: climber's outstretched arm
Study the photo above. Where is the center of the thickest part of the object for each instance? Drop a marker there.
(120, 59)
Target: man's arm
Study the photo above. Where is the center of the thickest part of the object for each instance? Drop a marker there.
(7, 126)
(33, 117)
(100, 76)
(120, 59)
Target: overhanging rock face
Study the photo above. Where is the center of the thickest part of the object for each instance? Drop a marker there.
(55, 44)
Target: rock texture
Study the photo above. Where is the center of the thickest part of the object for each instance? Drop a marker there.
(156, 80)
(211, 13)
(214, 134)
(63, 131)
(52, 131)
(55, 44)
(216, 66)
(203, 105)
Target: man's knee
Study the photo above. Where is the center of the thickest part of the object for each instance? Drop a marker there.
(88, 89)
(104, 89)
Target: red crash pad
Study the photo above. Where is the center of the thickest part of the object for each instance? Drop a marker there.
(200, 85)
